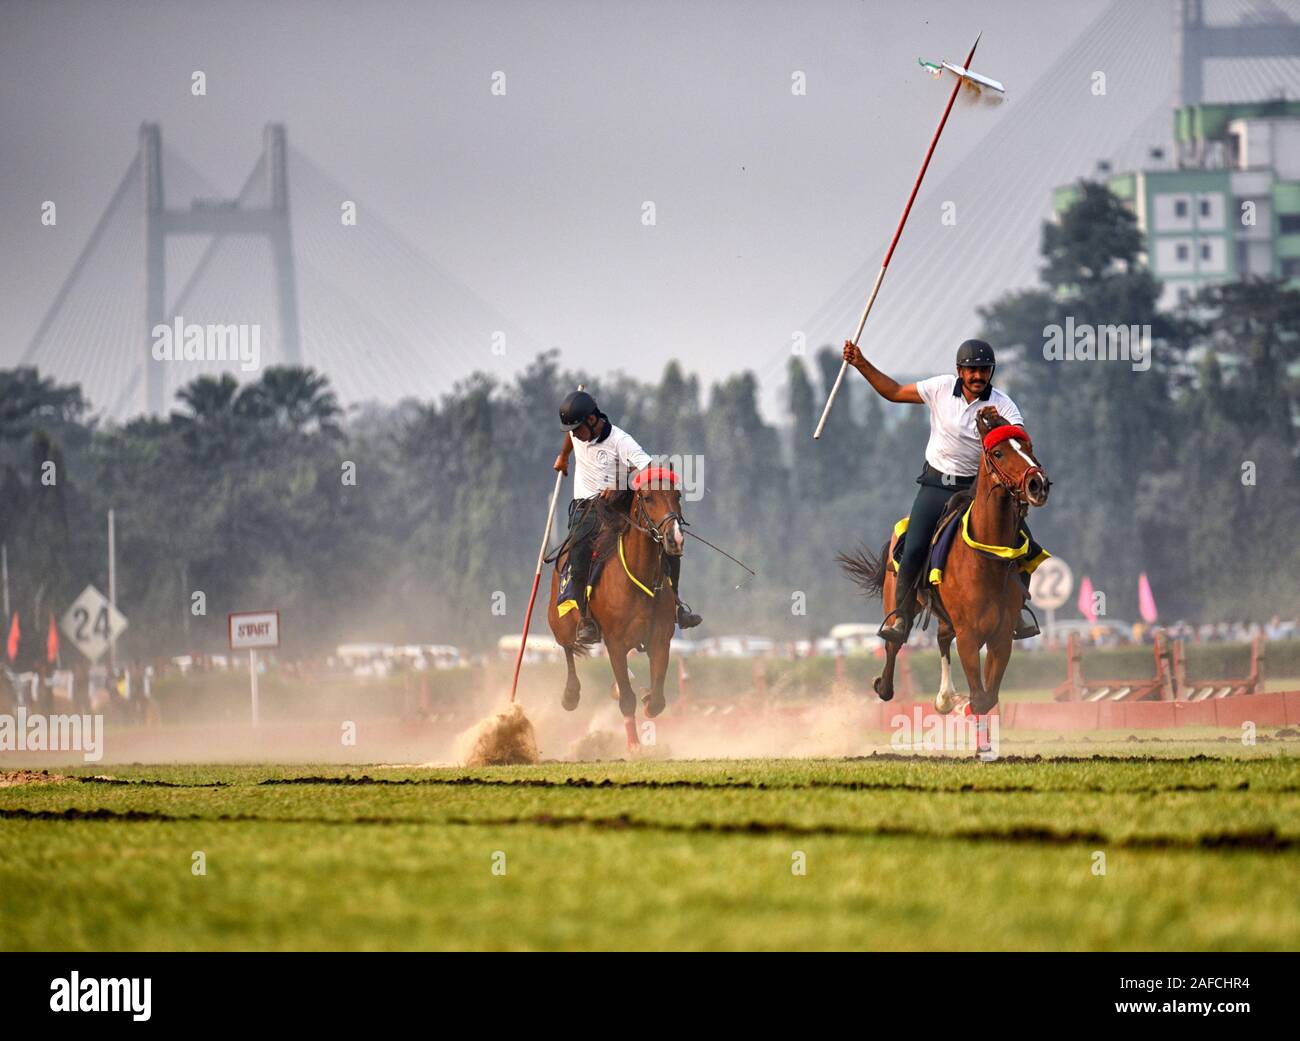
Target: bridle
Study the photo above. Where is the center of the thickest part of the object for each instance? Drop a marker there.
(644, 523)
(1015, 486)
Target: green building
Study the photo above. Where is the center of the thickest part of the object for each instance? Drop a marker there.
(1228, 206)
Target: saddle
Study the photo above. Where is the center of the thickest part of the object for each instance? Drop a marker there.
(952, 523)
(565, 599)
(942, 539)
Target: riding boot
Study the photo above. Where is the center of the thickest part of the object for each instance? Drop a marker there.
(580, 570)
(686, 618)
(1026, 624)
(588, 630)
(898, 623)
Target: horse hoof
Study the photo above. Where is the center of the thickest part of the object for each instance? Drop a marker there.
(884, 695)
(633, 742)
(946, 701)
(570, 700)
(652, 706)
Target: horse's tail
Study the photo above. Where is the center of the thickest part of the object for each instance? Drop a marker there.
(866, 569)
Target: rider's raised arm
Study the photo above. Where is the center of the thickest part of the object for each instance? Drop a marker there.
(888, 388)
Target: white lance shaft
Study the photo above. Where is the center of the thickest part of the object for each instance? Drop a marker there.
(537, 578)
(880, 276)
(835, 389)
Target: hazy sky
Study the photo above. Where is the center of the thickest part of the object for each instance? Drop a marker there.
(765, 201)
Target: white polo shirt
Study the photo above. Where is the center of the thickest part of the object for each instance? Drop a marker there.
(955, 445)
(606, 463)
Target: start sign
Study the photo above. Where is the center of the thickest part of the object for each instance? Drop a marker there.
(254, 630)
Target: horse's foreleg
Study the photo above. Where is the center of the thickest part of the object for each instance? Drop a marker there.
(968, 649)
(655, 702)
(572, 687)
(626, 696)
(996, 659)
(946, 700)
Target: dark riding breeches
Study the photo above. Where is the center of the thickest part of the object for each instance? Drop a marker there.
(936, 489)
(583, 525)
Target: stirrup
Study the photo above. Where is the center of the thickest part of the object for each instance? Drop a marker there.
(1026, 627)
(896, 631)
(588, 630)
(686, 618)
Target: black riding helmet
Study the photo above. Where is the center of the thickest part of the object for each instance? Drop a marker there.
(977, 354)
(575, 409)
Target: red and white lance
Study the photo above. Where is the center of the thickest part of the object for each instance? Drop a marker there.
(880, 276)
(537, 579)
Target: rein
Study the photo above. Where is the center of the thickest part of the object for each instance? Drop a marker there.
(655, 532)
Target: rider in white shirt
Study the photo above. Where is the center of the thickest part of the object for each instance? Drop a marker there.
(607, 458)
(952, 459)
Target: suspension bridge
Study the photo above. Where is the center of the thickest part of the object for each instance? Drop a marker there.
(363, 304)
(328, 283)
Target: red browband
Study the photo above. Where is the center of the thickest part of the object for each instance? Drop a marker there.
(999, 434)
(660, 476)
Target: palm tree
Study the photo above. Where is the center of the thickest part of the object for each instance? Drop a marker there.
(211, 400)
(295, 400)
(30, 402)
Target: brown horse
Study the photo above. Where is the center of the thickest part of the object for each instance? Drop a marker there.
(980, 597)
(631, 600)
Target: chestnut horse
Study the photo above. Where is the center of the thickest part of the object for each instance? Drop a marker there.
(980, 597)
(631, 600)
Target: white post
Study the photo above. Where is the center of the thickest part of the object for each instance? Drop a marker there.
(252, 678)
(112, 588)
(1051, 627)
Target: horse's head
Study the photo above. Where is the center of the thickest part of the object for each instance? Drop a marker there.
(657, 508)
(1009, 458)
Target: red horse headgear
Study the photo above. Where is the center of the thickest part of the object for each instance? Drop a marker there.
(997, 435)
(656, 476)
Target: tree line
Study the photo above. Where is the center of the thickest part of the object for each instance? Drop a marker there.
(419, 521)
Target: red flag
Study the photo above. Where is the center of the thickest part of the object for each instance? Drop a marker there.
(14, 635)
(52, 641)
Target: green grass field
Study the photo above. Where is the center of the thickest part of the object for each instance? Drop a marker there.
(1200, 853)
